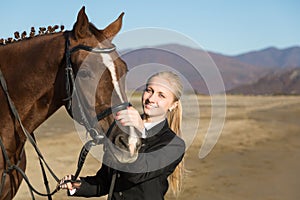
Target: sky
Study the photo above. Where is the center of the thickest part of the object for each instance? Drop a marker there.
(229, 27)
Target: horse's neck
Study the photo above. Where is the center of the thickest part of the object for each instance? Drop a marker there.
(30, 68)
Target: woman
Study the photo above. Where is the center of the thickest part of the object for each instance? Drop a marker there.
(160, 157)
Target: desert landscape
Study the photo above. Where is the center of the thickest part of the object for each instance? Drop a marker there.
(256, 157)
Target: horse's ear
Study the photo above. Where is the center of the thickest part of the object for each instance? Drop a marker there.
(111, 30)
(81, 26)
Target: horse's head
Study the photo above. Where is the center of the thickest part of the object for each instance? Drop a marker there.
(98, 85)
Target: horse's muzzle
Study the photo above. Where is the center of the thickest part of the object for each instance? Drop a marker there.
(126, 148)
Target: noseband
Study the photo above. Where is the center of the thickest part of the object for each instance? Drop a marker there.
(70, 88)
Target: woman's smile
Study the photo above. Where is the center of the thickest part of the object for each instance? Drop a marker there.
(150, 105)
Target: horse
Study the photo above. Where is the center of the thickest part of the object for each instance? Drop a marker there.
(39, 72)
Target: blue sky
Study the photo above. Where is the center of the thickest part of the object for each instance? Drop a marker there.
(225, 26)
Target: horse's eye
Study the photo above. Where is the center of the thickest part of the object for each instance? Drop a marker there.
(84, 73)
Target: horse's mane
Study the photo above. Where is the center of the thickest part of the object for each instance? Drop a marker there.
(41, 31)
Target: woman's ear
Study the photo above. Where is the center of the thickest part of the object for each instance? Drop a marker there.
(174, 105)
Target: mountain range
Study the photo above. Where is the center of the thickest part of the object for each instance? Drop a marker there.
(280, 82)
(266, 71)
(272, 58)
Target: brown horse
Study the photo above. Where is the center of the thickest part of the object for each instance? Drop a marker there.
(39, 82)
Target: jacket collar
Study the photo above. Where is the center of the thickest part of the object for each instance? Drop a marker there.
(157, 130)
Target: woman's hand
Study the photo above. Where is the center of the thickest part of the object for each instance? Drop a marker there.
(67, 182)
(130, 117)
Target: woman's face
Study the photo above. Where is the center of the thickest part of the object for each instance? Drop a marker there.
(158, 99)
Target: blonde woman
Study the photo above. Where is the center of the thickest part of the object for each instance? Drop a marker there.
(161, 155)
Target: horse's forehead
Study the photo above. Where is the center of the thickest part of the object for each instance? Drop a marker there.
(100, 62)
(109, 60)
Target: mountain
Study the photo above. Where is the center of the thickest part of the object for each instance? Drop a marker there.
(272, 57)
(237, 72)
(185, 60)
(281, 82)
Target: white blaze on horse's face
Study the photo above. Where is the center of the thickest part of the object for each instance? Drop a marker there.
(108, 62)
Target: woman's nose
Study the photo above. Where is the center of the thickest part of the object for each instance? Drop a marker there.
(152, 98)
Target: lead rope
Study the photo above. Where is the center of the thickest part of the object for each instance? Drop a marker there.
(82, 156)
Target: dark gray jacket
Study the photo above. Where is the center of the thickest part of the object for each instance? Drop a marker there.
(146, 178)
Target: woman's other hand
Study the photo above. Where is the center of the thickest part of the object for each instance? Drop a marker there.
(67, 182)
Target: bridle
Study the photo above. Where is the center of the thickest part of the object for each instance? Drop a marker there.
(71, 90)
(97, 136)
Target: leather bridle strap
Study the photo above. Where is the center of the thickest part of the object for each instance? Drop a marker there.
(91, 49)
(71, 88)
(69, 68)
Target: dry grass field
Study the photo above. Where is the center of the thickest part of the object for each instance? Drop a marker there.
(256, 157)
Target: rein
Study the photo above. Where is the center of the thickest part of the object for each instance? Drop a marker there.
(31, 140)
(97, 138)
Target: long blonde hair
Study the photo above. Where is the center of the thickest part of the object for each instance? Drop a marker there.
(174, 118)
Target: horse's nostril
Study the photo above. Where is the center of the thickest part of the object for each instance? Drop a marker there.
(121, 141)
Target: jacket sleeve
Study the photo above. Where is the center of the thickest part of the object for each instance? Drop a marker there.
(94, 186)
(161, 162)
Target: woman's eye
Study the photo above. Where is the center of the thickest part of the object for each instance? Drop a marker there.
(148, 90)
(162, 96)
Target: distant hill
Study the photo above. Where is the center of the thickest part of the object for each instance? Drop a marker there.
(237, 71)
(281, 82)
(272, 58)
(233, 71)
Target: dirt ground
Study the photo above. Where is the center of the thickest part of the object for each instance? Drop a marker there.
(256, 157)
